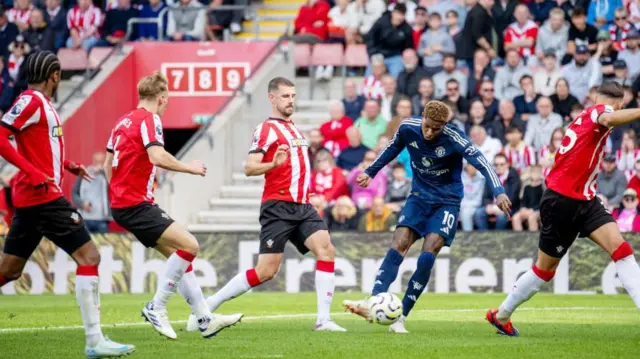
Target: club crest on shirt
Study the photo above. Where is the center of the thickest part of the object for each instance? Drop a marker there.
(18, 107)
(426, 162)
(440, 151)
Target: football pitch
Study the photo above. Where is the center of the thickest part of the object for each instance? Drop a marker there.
(278, 325)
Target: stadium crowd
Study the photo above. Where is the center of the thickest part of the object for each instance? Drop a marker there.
(514, 74)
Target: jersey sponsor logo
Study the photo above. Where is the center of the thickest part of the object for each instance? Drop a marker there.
(414, 144)
(299, 142)
(18, 107)
(424, 171)
(56, 131)
(426, 162)
(440, 151)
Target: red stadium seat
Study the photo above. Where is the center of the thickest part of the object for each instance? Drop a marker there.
(356, 56)
(71, 59)
(327, 54)
(302, 55)
(97, 55)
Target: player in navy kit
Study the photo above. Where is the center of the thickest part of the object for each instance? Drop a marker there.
(437, 150)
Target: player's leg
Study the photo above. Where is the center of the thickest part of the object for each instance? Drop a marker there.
(609, 238)
(23, 238)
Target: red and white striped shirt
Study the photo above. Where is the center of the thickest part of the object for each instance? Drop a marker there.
(521, 156)
(545, 156)
(38, 133)
(16, 15)
(619, 36)
(627, 160)
(86, 22)
(291, 181)
(372, 88)
(13, 65)
(515, 33)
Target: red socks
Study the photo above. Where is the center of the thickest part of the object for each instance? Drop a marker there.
(185, 255)
(90, 270)
(545, 275)
(325, 266)
(252, 277)
(189, 268)
(623, 251)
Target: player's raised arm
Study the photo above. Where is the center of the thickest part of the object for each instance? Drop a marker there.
(396, 145)
(609, 97)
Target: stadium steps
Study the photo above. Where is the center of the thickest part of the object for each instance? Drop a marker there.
(218, 228)
(241, 191)
(234, 204)
(273, 17)
(229, 217)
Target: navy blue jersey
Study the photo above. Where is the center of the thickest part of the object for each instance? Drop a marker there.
(437, 164)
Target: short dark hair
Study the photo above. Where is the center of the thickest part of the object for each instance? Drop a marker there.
(453, 81)
(452, 12)
(435, 14)
(41, 65)
(276, 82)
(401, 8)
(512, 129)
(579, 11)
(611, 89)
(398, 165)
(448, 55)
(577, 107)
(524, 77)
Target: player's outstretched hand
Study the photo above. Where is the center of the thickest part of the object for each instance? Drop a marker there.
(197, 168)
(363, 180)
(279, 158)
(504, 204)
(80, 171)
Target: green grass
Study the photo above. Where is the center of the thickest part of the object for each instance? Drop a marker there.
(441, 326)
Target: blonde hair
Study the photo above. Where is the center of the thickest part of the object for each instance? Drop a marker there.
(436, 111)
(150, 87)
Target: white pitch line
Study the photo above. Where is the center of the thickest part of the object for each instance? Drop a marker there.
(309, 315)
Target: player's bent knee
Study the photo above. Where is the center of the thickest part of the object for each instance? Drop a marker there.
(10, 275)
(87, 255)
(433, 243)
(191, 245)
(267, 273)
(402, 240)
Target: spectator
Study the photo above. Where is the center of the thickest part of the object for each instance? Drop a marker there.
(84, 21)
(152, 10)
(507, 117)
(334, 131)
(563, 101)
(454, 30)
(518, 153)
(411, 75)
(628, 153)
(477, 116)
(342, 216)
(631, 54)
(379, 218)
(186, 21)
(529, 212)
(620, 73)
(363, 14)
(56, 18)
(91, 197)
(602, 12)
(353, 103)
(319, 204)
(39, 35)
(390, 98)
(552, 37)
(502, 12)
(582, 73)
(425, 94)
(19, 50)
(114, 28)
(403, 111)
(541, 9)
(626, 215)
(521, 35)
(390, 36)
(8, 33)
(606, 54)
(363, 197)
(327, 180)
(511, 183)
(507, 82)
(352, 155)
(311, 23)
(372, 88)
(489, 146)
(477, 32)
(383, 142)
(315, 144)
(434, 44)
(611, 182)
(541, 125)
(371, 124)
(453, 95)
(399, 188)
(420, 26)
(473, 183)
(411, 7)
(448, 72)
(444, 7)
(547, 154)
(6, 89)
(20, 14)
(580, 34)
(338, 24)
(634, 13)
(634, 182)
(223, 19)
(489, 101)
(545, 78)
(482, 71)
(526, 103)
(620, 29)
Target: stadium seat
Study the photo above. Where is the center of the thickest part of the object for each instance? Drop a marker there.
(356, 56)
(97, 55)
(302, 55)
(325, 55)
(71, 59)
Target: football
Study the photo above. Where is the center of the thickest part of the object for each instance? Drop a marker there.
(385, 308)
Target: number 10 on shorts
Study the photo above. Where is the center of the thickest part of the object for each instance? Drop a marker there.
(204, 79)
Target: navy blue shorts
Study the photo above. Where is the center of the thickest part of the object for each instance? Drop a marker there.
(424, 218)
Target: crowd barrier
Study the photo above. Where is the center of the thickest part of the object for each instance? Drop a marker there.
(478, 262)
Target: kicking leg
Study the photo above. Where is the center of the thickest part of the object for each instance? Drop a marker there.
(608, 237)
(11, 268)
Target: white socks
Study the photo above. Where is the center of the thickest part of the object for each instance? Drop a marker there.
(325, 286)
(238, 285)
(525, 287)
(177, 264)
(191, 291)
(88, 296)
(628, 271)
